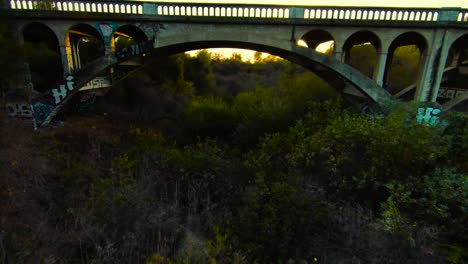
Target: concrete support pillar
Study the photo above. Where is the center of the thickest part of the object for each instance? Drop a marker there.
(64, 59)
(380, 68)
(433, 68)
(338, 55)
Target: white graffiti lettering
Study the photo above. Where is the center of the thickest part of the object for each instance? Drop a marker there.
(428, 116)
(60, 95)
(96, 83)
(134, 50)
(450, 93)
(19, 110)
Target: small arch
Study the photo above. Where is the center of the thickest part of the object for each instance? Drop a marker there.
(211, 12)
(400, 15)
(342, 14)
(319, 40)
(417, 16)
(406, 50)
(46, 64)
(306, 13)
(423, 16)
(126, 36)
(83, 44)
(366, 14)
(360, 51)
(206, 11)
(269, 12)
(140, 9)
(88, 7)
(429, 16)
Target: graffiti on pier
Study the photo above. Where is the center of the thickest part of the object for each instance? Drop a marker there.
(428, 116)
(96, 83)
(106, 30)
(137, 49)
(18, 109)
(61, 94)
(41, 112)
(451, 93)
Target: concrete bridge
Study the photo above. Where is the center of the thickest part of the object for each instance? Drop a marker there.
(93, 37)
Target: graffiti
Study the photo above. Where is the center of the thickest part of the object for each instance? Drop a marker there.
(19, 110)
(60, 95)
(151, 29)
(106, 31)
(96, 83)
(41, 112)
(450, 93)
(428, 116)
(134, 50)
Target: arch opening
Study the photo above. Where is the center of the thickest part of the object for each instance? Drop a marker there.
(360, 51)
(84, 44)
(42, 55)
(320, 41)
(126, 36)
(404, 66)
(331, 71)
(455, 76)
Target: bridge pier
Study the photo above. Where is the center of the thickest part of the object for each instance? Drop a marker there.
(433, 70)
(380, 68)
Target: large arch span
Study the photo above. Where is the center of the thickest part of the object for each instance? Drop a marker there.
(336, 73)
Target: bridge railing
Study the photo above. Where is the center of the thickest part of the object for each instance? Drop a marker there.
(374, 14)
(210, 10)
(248, 11)
(117, 7)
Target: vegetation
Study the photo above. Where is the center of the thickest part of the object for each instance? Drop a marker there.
(211, 160)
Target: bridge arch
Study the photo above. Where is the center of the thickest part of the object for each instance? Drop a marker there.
(340, 76)
(47, 52)
(337, 74)
(416, 45)
(83, 45)
(360, 50)
(315, 37)
(458, 51)
(127, 35)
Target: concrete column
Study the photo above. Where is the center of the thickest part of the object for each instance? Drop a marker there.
(380, 68)
(428, 85)
(64, 59)
(338, 55)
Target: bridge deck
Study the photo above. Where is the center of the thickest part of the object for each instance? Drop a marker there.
(245, 11)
